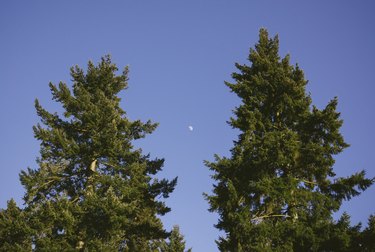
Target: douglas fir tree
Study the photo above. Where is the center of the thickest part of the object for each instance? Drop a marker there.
(278, 190)
(92, 191)
(176, 242)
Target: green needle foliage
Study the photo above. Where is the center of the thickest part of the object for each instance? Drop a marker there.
(175, 243)
(278, 190)
(15, 234)
(92, 190)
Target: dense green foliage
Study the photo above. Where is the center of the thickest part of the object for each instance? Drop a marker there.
(92, 190)
(175, 243)
(278, 190)
(15, 234)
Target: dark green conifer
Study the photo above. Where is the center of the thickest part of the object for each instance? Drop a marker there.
(15, 234)
(367, 238)
(175, 243)
(278, 190)
(92, 191)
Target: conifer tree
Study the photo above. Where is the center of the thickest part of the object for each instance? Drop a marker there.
(92, 191)
(175, 243)
(367, 238)
(278, 190)
(15, 234)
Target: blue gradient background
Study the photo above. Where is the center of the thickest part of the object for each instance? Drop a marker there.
(180, 53)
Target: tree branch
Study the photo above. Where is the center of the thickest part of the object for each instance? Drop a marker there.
(270, 216)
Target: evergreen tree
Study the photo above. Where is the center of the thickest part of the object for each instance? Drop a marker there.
(176, 242)
(367, 238)
(278, 190)
(15, 234)
(341, 236)
(92, 190)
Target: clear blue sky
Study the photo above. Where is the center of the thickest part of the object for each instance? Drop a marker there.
(180, 53)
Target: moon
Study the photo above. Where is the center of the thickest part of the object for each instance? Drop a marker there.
(190, 128)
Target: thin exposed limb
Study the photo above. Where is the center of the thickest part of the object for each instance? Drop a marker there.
(308, 182)
(270, 216)
(53, 178)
